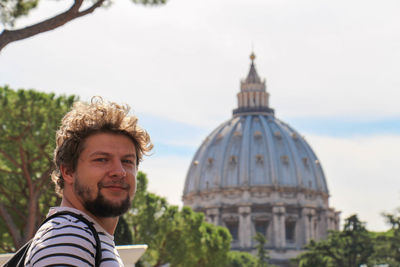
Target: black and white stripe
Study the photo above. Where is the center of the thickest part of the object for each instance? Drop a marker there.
(66, 241)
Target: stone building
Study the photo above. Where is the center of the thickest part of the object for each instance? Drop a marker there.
(255, 173)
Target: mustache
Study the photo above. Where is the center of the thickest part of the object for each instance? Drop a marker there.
(121, 184)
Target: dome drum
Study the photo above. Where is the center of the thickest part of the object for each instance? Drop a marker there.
(286, 227)
(253, 110)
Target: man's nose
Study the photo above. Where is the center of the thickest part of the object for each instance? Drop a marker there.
(117, 170)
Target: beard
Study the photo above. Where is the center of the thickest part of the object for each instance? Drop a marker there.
(100, 206)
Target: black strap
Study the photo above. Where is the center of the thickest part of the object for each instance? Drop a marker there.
(18, 258)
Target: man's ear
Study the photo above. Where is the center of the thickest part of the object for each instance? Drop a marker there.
(67, 174)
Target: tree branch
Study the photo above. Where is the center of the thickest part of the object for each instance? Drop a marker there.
(9, 36)
(12, 228)
(91, 9)
(42, 153)
(24, 167)
(30, 225)
(9, 158)
(11, 199)
(43, 178)
(9, 172)
(6, 194)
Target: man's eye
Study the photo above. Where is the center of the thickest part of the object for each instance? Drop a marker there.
(127, 161)
(100, 159)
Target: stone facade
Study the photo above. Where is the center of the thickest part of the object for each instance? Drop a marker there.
(288, 218)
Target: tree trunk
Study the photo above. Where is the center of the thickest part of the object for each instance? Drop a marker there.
(12, 228)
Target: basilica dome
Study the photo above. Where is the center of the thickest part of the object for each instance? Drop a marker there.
(255, 149)
(255, 173)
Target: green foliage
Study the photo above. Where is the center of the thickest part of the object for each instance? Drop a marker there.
(10, 10)
(28, 122)
(241, 259)
(176, 236)
(262, 257)
(348, 248)
(123, 233)
(393, 239)
(355, 246)
(387, 245)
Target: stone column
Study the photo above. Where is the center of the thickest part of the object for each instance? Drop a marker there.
(308, 216)
(278, 221)
(244, 226)
(331, 219)
(322, 225)
(213, 216)
(337, 220)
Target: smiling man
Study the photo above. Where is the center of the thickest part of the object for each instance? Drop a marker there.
(98, 150)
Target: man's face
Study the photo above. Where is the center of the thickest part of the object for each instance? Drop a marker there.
(105, 177)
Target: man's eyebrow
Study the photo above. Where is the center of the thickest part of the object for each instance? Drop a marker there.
(99, 153)
(102, 153)
(130, 156)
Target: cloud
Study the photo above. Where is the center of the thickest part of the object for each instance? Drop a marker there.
(184, 60)
(362, 174)
(166, 176)
(342, 126)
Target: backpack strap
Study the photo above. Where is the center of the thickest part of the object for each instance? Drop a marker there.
(18, 259)
(81, 218)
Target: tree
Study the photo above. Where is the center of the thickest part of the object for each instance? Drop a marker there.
(28, 122)
(387, 244)
(241, 259)
(123, 233)
(394, 238)
(262, 257)
(348, 248)
(11, 10)
(180, 237)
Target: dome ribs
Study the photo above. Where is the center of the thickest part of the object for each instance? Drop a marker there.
(259, 164)
(228, 132)
(318, 173)
(293, 154)
(244, 170)
(270, 145)
(230, 172)
(201, 157)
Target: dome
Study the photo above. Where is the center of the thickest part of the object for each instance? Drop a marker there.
(255, 150)
(256, 174)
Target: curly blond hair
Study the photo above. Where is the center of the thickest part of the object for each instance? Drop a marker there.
(86, 119)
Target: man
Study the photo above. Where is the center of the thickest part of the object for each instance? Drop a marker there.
(98, 149)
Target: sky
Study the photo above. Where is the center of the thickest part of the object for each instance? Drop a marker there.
(332, 70)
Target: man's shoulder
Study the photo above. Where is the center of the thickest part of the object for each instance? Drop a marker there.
(63, 239)
(65, 225)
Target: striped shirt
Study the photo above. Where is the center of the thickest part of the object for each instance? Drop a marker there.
(67, 241)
